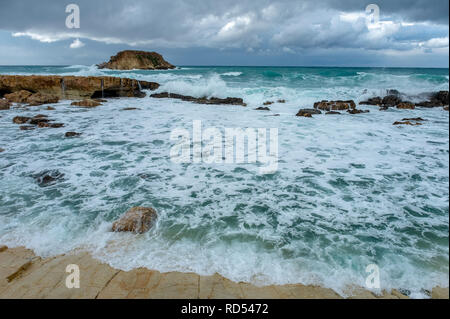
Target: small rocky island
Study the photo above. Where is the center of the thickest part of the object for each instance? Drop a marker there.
(141, 60)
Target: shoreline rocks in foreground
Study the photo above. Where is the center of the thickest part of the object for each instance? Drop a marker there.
(42, 89)
(201, 100)
(139, 60)
(21, 269)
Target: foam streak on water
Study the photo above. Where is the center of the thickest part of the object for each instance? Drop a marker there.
(350, 190)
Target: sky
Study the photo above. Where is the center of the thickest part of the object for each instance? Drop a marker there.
(407, 33)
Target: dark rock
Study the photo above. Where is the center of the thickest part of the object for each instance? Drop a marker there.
(21, 119)
(37, 121)
(50, 125)
(27, 127)
(49, 108)
(307, 112)
(384, 108)
(416, 119)
(355, 111)
(130, 109)
(332, 113)
(407, 123)
(2, 150)
(377, 101)
(261, 108)
(202, 100)
(335, 105)
(72, 134)
(281, 101)
(268, 103)
(47, 178)
(391, 100)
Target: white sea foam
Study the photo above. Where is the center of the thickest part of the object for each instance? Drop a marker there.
(350, 190)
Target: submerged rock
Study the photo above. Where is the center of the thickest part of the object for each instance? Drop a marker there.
(72, 134)
(50, 125)
(332, 113)
(4, 104)
(201, 100)
(407, 123)
(136, 220)
(142, 60)
(21, 119)
(268, 103)
(355, 111)
(87, 103)
(262, 108)
(2, 150)
(406, 106)
(49, 108)
(130, 109)
(27, 127)
(281, 101)
(416, 119)
(47, 178)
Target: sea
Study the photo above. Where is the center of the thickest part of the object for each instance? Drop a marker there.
(351, 193)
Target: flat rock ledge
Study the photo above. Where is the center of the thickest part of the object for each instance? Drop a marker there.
(200, 100)
(71, 87)
(24, 275)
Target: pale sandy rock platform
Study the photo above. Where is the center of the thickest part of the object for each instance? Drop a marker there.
(24, 275)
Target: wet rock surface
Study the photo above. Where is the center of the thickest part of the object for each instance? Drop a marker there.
(201, 100)
(88, 103)
(72, 134)
(136, 220)
(5, 104)
(335, 105)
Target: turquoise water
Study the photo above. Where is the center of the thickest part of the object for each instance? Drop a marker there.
(349, 191)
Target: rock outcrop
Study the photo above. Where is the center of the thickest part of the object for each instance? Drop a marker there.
(70, 87)
(136, 220)
(393, 99)
(142, 60)
(335, 105)
(201, 100)
(307, 112)
(437, 99)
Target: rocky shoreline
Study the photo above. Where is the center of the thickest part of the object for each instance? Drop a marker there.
(23, 275)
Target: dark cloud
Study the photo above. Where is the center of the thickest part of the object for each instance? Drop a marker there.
(253, 27)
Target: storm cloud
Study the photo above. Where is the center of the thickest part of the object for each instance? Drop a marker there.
(244, 27)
